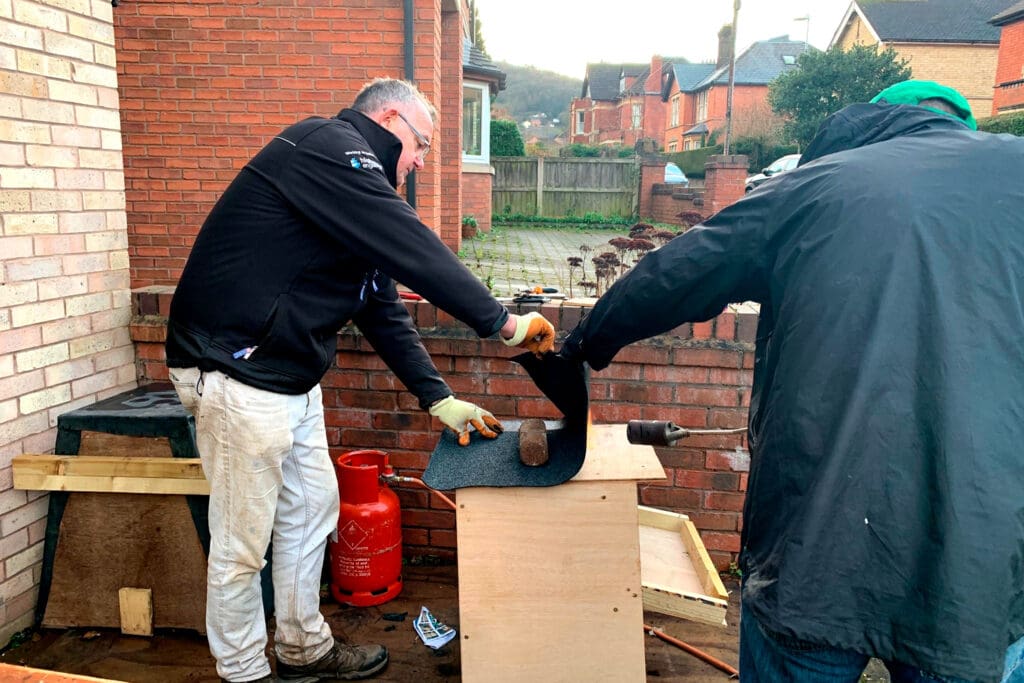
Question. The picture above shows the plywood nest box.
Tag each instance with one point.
(550, 583)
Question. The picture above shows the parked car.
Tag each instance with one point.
(777, 167)
(675, 175)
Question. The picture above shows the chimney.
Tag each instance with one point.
(653, 83)
(724, 46)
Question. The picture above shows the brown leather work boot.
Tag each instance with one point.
(342, 663)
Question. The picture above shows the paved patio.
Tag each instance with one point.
(512, 258)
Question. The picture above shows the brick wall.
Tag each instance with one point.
(64, 285)
(476, 195)
(698, 376)
(1009, 70)
(204, 85)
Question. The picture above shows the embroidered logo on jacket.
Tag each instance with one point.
(367, 160)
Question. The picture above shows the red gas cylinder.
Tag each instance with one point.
(366, 552)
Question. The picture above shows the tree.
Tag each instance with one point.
(828, 81)
(506, 140)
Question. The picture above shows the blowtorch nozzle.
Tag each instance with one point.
(654, 432)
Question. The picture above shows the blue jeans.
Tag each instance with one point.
(773, 658)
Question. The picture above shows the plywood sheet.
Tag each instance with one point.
(611, 457)
(108, 541)
(549, 584)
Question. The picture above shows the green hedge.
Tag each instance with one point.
(1006, 123)
(758, 153)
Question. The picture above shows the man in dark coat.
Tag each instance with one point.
(309, 235)
(885, 509)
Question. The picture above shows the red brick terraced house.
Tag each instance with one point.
(1009, 92)
(695, 95)
(949, 41)
(596, 114)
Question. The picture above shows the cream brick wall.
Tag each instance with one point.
(64, 280)
(971, 69)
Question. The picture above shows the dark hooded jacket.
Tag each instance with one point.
(885, 506)
(310, 235)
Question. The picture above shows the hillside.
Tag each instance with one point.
(530, 91)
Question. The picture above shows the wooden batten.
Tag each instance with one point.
(109, 474)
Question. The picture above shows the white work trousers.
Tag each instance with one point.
(265, 456)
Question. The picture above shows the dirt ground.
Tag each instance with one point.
(182, 657)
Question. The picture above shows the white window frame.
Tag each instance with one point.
(581, 122)
(702, 105)
(636, 115)
(485, 125)
(675, 112)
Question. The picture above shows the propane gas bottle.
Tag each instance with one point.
(366, 551)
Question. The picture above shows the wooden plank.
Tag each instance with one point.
(549, 584)
(136, 611)
(674, 576)
(109, 474)
(10, 673)
(610, 456)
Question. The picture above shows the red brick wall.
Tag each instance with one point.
(724, 181)
(450, 137)
(1010, 69)
(203, 85)
(476, 198)
(743, 97)
(698, 376)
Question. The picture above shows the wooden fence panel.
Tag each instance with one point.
(565, 187)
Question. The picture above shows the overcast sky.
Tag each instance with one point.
(565, 35)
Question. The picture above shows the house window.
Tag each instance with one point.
(636, 115)
(675, 112)
(702, 105)
(673, 146)
(476, 123)
(581, 118)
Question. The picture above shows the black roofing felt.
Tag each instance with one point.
(934, 21)
(1009, 15)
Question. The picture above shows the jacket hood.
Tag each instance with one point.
(864, 124)
(384, 144)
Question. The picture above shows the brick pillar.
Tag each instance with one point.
(652, 170)
(724, 178)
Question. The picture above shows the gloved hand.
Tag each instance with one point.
(533, 333)
(459, 415)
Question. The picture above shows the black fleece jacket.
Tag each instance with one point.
(310, 235)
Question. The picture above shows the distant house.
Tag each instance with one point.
(481, 81)
(696, 94)
(949, 41)
(1009, 92)
(595, 114)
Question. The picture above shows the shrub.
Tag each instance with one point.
(1012, 123)
(506, 140)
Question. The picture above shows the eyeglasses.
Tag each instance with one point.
(424, 143)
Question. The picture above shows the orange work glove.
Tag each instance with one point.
(533, 333)
(459, 415)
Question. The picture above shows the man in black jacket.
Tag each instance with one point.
(885, 509)
(309, 235)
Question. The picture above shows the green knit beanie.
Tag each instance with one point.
(912, 92)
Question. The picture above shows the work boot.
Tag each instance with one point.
(342, 663)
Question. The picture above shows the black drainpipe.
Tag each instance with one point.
(410, 74)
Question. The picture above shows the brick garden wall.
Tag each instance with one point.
(65, 302)
(698, 376)
(203, 86)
